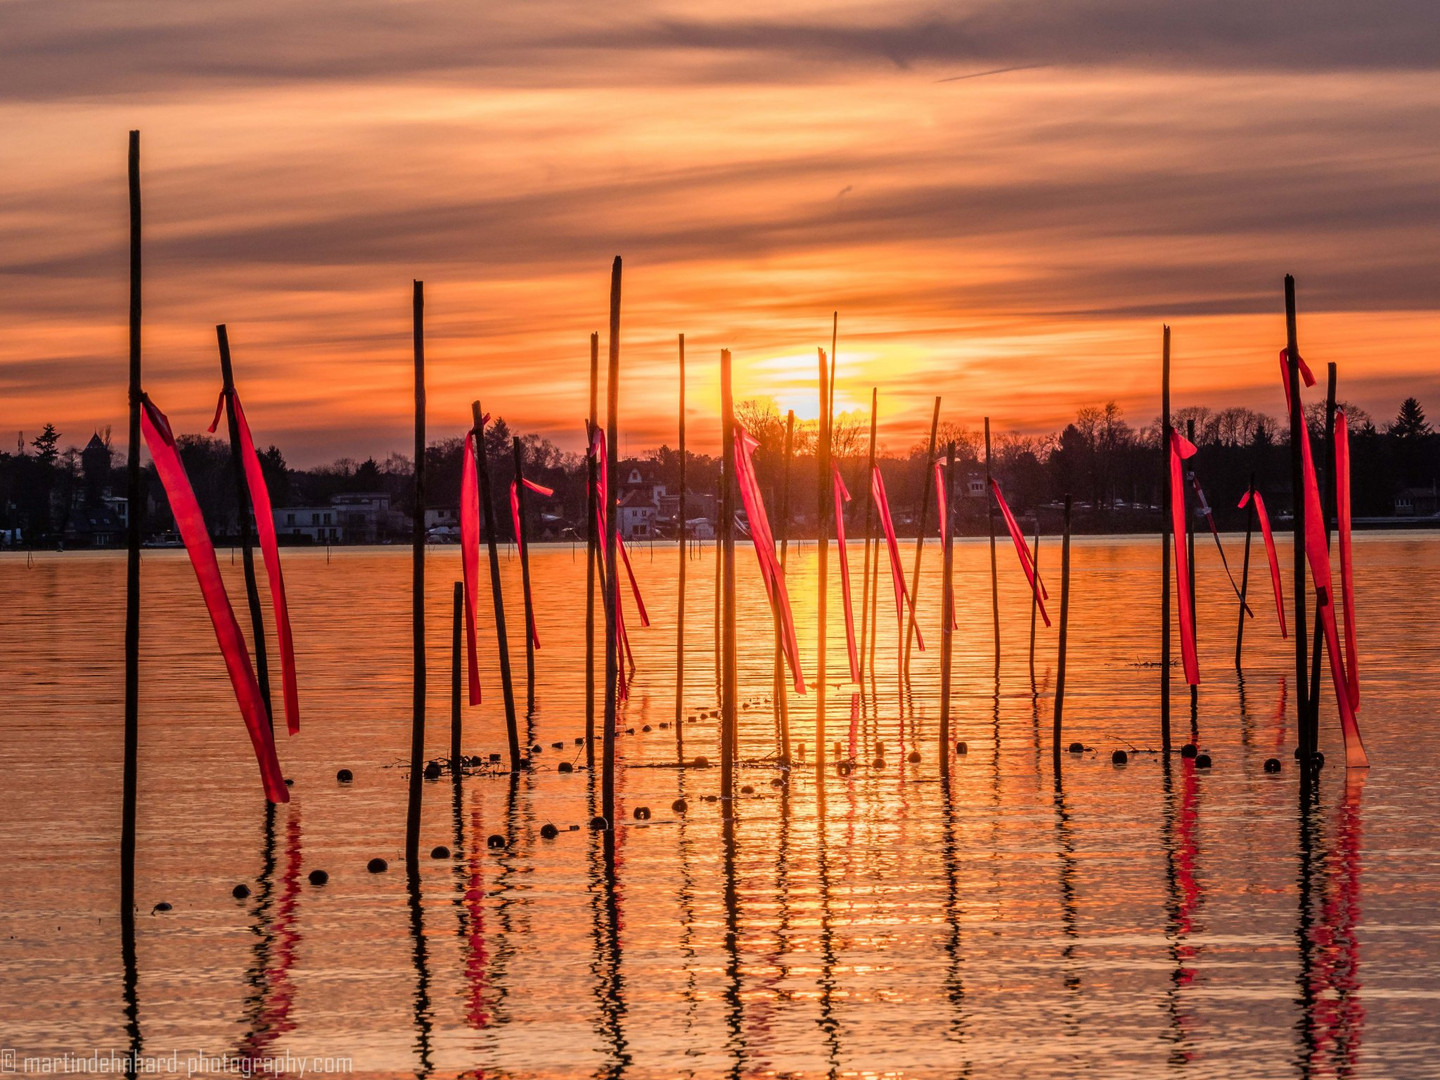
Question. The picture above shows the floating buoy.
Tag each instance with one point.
(679, 806)
(961, 748)
(318, 877)
(700, 763)
(344, 776)
(1188, 750)
(914, 757)
(565, 766)
(879, 763)
(289, 782)
(580, 740)
(642, 813)
(163, 905)
(548, 831)
(1202, 761)
(779, 781)
(599, 824)
(440, 851)
(629, 731)
(1272, 765)
(1077, 748)
(377, 865)
(432, 770)
(241, 891)
(645, 728)
(747, 789)
(663, 725)
(557, 746)
(535, 749)
(495, 840)
(1119, 757)
(494, 757)
(842, 767)
(712, 798)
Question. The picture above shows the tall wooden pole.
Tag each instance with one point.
(1190, 569)
(947, 609)
(1297, 488)
(822, 476)
(592, 553)
(134, 513)
(456, 618)
(1166, 502)
(869, 531)
(912, 625)
(522, 541)
(990, 520)
(1064, 629)
(612, 577)
(417, 592)
(782, 694)
(728, 702)
(719, 561)
(680, 587)
(497, 597)
(1245, 569)
(242, 512)
(1034, 596)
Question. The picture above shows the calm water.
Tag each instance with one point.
(1124, 922)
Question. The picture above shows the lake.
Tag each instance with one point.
(1120, 921)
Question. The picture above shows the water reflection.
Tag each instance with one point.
(424, 1013)
(1183, 900)
(277, 938)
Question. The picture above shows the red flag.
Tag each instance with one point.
(1027, 561)
(1181, 448)
(897, 572)
(190, 523)
(1347, 566)
(842, 496)
(1270, 553)
(763, 540)
(470, 556)
(270, 552)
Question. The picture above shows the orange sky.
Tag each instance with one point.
(1011, 241)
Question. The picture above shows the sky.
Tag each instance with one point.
(1004, 201)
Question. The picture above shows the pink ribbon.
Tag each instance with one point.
(270, 552)
(470, 556)
(538, 489)
(1318, 555)
(1270, 553)
(897, 572)
(842, 496)
(1027, 561)
(944, 506)
(1347, 566)
(190, 524)
(1181, 448)
(763, 541)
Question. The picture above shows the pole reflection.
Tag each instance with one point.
(271, 992)
(1183, 900)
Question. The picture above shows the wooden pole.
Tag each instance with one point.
(592, 553)
(1064, 628)
(869, 531)
(990, 519)
(1297, 488)
(911, 626)
(1034, 597)
(719, 561)
(1190, 570)
(1166, 502)
(456, 619)
(1245, 569)
(612, 531)
(782, 694)
(947, 610)
(497, 598)
(522, 541)
(680, 587)
(822, 476)
(417, 592)
(134, 514)
(242, 512)
(728, 703)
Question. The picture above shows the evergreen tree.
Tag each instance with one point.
(1410, 423)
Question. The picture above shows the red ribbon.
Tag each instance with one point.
(1027, 561)
(902, 594)
(190, 524)
(842, 496)
(470, 556)
(763, 541)
(1270, 553)
(270, 552)
(1181, 448)
(602, 484)
(1318, 555)
(1347, 566)
(538, 489)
